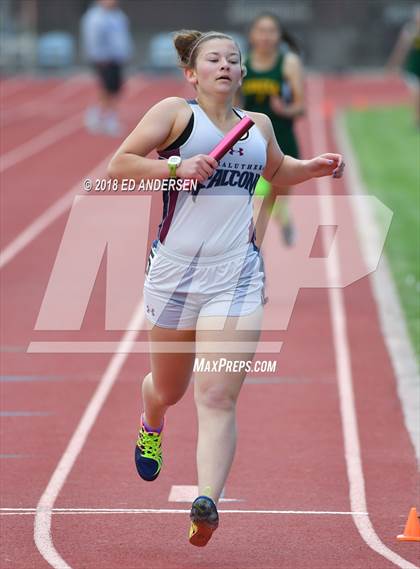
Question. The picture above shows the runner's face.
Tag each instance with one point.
(218, 67)
(265, 35)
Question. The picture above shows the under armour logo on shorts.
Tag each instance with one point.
(150, 310)
(240, 150)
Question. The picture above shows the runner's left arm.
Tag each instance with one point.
(286, 171)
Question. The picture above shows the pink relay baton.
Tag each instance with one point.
(231, 138)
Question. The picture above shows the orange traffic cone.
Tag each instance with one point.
(412, 528)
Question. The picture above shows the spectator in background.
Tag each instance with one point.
(406, 54)
(273, 85)
(107, 46)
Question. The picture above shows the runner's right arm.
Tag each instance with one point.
(130, 162)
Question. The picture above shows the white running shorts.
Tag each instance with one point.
(179, 289)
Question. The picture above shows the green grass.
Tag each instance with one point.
(387, 146)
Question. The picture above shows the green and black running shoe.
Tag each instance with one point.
(148, 453)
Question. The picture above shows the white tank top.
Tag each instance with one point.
(218, 217)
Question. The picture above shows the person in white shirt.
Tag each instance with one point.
(107, 46)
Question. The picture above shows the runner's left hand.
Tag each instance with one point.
(326, 165)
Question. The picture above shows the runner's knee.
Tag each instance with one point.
(217, 397)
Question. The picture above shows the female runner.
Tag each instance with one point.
(274, 86)
(204, 282)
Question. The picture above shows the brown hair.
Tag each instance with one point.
(186, 43)
(286, 36)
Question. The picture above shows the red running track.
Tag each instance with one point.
(289, 421)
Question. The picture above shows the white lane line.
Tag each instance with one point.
(42, 528)
(342, 350)
(50, 136)
(57, 94)
(104, 511)
(58, 208)
(41, 141)
(392, 319)
(42, 525)
(51, 214)
(54, 105)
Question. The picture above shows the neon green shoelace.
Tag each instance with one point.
(150, 444)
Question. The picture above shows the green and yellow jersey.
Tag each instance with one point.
(257, 88)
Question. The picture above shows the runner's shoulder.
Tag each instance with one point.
(263, 122)
(172, 105)
(171, 110)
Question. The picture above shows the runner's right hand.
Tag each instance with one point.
(199, 167)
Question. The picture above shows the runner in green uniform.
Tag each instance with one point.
(406, 55)
(274, 86)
